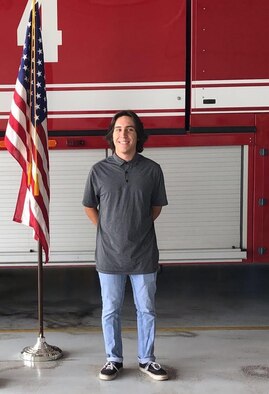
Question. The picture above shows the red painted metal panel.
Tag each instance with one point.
(261, 190)
(230, 39)
(102, 123)
(204, 139)
(155, 141)
(230, 62)
(105, 42)
(222, 120)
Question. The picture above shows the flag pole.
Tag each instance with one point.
(40, 291)
(41, 351)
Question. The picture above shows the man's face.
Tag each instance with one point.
(125, 137)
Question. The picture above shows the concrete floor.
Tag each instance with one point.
(213, 331)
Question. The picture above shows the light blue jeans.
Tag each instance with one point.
(112, 291)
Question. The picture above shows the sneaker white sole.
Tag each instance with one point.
(108, 377)
(155, 377)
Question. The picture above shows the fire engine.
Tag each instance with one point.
(197, 73)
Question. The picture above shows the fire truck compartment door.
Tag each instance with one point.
(204, 221)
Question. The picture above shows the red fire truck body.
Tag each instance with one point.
(197, 73)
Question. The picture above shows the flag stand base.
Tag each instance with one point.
(41, 352)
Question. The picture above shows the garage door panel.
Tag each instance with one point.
(204, 187)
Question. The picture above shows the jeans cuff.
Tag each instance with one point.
(146, 360)
(115, 359)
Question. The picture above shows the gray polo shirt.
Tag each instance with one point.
(124, 193)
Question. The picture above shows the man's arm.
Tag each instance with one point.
(156, 212)
(92, 214)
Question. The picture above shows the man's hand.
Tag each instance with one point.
(156, 212)
(92, 214)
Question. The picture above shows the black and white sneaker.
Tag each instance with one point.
(154, 370)
(110, 370)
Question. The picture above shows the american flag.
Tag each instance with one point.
(27, 137)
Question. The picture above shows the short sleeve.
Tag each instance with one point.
(91, 197)
(159, 197)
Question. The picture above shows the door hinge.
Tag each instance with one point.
(262, 202)
(263, 152)
(262, 251)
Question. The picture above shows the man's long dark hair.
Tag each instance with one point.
(139, 128)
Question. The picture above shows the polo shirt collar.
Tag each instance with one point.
(121, 162)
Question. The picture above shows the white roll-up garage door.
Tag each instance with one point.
(206, 216)
(72, 235)
(204, 221)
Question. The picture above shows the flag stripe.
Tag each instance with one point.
(16, 153)
(20, 98)
(42, 162)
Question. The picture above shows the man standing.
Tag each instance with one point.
(124, 194)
